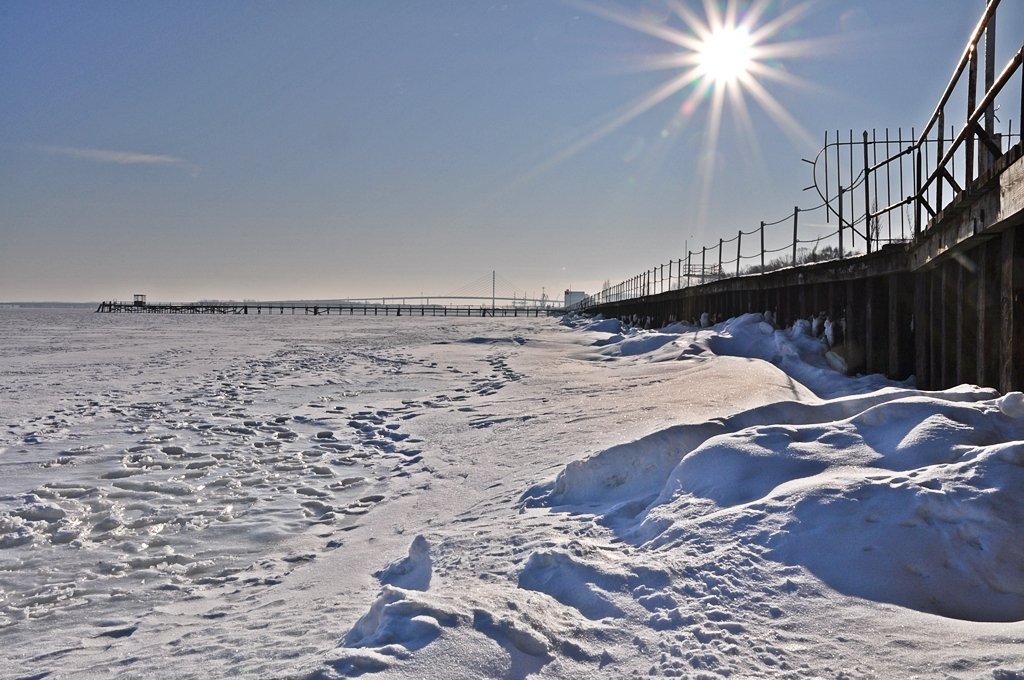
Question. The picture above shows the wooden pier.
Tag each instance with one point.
(947, 308)
(944, 303)
(324, 309)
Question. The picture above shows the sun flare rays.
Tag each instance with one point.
(722, 55)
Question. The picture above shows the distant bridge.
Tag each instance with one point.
(469, 300)
(386, 306)
(937, 291)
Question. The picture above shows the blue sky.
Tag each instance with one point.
(345, 149)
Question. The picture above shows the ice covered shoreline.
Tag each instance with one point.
(595, 501)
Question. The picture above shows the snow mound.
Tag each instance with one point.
(577, 576)
(635, 345)
(401, 622)
(898, 496)
(622, 476)
(573, 583)
(397, 617)
(795, 350)
(604, 326)
(943, 540)
(398, 623)
(412, 572)
(486, 340)
(1012, 405)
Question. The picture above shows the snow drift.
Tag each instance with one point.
(899, 496)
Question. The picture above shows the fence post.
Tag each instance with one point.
(762, 246)
(853, 232)
(720, 243)
(840, 223)
(990, 77)
(828, 197)
(687, 269)
(839, 171)
(739, 241)
(867, 194)
(796, 217)
(918, 180)
(972, 101)
(703, 254)
(939, 180)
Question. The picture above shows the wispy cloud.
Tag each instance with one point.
(121, 157)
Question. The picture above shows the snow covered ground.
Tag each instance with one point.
(319, 497)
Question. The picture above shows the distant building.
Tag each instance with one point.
(573, 297)
(140, 300)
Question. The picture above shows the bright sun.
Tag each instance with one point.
(726, 55)
(722, 59)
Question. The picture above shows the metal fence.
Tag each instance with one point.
(874, 188)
